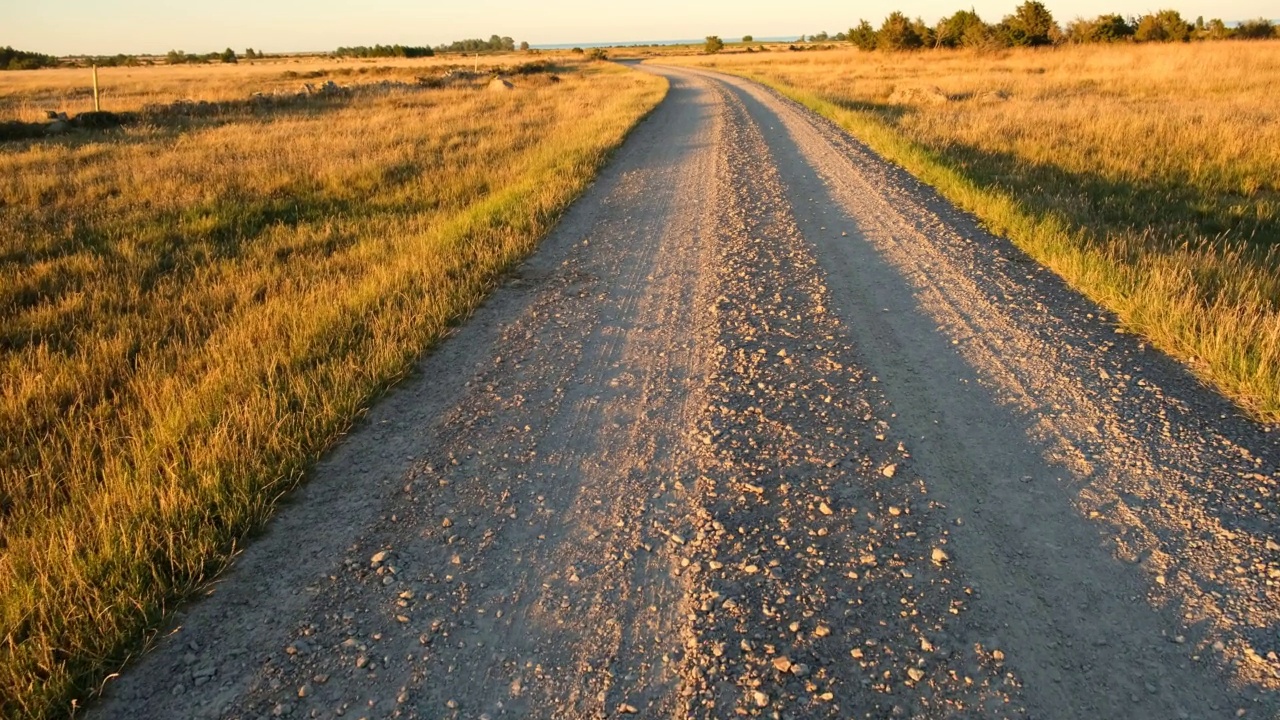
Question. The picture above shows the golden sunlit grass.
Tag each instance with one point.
(190, 314)
(1147, 176)
(27, 95)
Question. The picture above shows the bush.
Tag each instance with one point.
(954, 31)
(897, 33)
(863, 37)
(1260, 29)
(1030, 26)
(1104, 28)
(747, 39)
(1164, 26)
(714, 44)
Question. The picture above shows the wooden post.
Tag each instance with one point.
(97, 105)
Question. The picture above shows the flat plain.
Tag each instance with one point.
(890, 385)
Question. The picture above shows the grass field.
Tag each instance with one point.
(191, 313)
(1148, 176)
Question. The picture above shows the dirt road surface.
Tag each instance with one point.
(765, 428)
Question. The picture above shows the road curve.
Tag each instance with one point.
(764, 428)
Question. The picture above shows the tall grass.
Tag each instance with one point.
(188, 316)
(1147, 176)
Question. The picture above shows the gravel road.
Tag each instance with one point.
(765, 428)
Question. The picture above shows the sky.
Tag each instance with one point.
(107, 27)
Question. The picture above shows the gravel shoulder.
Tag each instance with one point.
(765, 428)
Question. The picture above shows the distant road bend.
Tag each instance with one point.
(764, 428)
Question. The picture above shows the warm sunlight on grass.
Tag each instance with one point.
(189, 314)
(1148, 176)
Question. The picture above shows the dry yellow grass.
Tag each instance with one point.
(190, 314)
(26, 95)
(1148, 176)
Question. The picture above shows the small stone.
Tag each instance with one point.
(379, 557)
(889, 470)
(625, 709)
(761, 699)
(940, 556)
(997, 655)
(800, 670)
(362, 661)
(782, 664)
(925, 645)
(447, 522)
(916, 674)
(822, 631)
(824, 508)
(304, 691)
(452, 704)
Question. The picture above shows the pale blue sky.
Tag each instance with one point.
(155, 26)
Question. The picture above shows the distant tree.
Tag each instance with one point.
(1031, 25)
(713, 44)
(229, 56)
(897, 33)
(577, 51)
(524, 47)
(863, 36)
(1164, 26)
(820, 37)
(598, 54)
(840, 37)
(747, 39)
(1217, 30)
(1259, 29)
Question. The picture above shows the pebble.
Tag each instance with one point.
(761, 699)
(889, 470)
(625, 709)
(940, 556)
(782, 664)
(824, 508)
(379, 557)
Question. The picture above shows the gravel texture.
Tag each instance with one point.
(765, 428)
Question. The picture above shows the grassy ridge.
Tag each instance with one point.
(1147, 177)
(187, 318)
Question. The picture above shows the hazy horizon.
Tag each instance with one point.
(152, 27)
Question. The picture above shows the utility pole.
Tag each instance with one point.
(97, 104)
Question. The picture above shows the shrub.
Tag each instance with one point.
(747, 39)
(864, 36)
(1031, 25)
(897, 33)
(714, 44)
(1164, 26)
(1260, 29)
(952, 31)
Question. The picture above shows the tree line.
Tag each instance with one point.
(1032, 24)
(11, 59)
(384, 51)
(494, 43)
